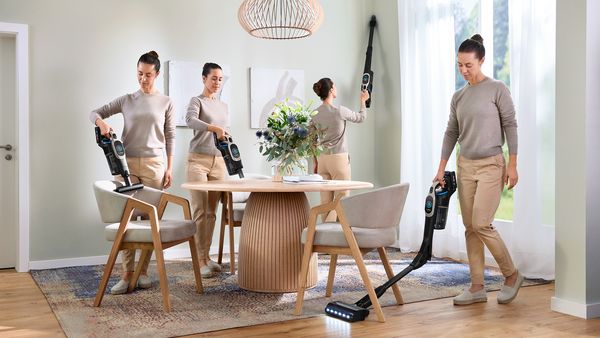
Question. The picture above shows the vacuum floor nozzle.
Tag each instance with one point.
(346, 312)
(126, 188)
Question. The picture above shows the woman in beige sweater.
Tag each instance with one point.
(334, 162)
(148, 132)
(206, 115)
(482, 118)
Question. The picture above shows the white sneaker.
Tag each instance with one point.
(119, 288)
(468, 297)
(507, 293)
(214, 266)
(144, 282)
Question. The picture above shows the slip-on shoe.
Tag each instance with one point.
(207, 272)
(119, 288)
(214, 266)
(468, 297)
(144, 282)
(507, 293)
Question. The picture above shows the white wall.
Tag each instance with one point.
(570, 148)
(386, 93)
(593, 155)
(84, 53)
(577, 158)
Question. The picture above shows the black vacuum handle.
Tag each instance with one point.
(367, 69)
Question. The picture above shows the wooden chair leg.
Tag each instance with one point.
(303, 273)
(112, 257)
(357, 254)
(231, 249)
(196, 265)
(368, 285)
(162, 274)
(145, 256)
(332, 266)
(222, 234)
(229, 201)
(390, 273)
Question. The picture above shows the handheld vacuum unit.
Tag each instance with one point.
(114, 150)
(231, 155)
(436, 212)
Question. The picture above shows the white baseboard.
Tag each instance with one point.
(67, 262)
(172, 253)
(585, 311)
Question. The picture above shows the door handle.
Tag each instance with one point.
(7, 147)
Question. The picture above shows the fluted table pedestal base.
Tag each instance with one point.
(270, 251)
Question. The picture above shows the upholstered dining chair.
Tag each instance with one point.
(152, 235)
(232, 212)
(367, 221)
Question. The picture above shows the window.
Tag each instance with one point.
(490, 19)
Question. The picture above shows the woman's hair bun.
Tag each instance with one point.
(477, 38)
(317, 87)
(323, 87)
(150, 58)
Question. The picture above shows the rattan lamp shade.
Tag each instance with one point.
(280, 19)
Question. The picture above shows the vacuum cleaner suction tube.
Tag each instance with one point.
(436, 211)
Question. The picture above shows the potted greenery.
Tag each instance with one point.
(290, 138)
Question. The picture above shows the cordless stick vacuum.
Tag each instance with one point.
(231, 155)
(115, 155)
(436, 212)
(367, 78)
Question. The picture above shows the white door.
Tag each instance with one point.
(8, 169)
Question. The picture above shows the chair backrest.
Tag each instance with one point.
(111, 203)
(242, 197)
(379, 208)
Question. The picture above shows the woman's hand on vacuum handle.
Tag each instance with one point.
(217, 130)
(364, 96)
(439, 176)
(105, 128)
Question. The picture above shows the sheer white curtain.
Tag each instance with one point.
(427, 58)
(427, 64)
(530, 237)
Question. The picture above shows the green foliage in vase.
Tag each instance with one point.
(290, 136)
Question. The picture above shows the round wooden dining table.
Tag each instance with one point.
(270, 251)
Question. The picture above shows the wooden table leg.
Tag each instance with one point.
(270, 246)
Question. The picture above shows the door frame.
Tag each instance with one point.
(21, 34)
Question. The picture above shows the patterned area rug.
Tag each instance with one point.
(71, 292)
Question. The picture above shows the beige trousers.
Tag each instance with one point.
(480, 184)
(201, 167)
(149, 171)
(333, 167)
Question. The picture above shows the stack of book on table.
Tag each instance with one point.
(304, 179)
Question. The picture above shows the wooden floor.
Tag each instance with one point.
(24, 312)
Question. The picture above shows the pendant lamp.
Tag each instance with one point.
(280, 19)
